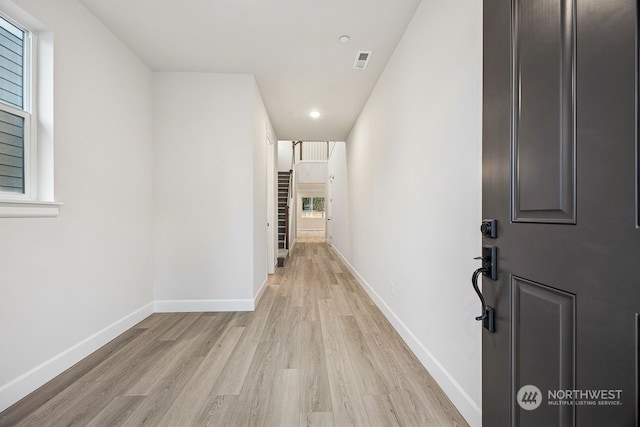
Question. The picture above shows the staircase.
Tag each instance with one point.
(284, 179)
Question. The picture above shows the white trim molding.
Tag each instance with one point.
(258, 295)
(469, 409)
(26, 383)
(21, 386)
(29, 209)
(203, 305)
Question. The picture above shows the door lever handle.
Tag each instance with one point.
(488, 313)
(489, 269)
(474, 282)
(489, 261)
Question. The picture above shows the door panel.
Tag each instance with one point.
(560, 177)
(544, 340)
(544, 113)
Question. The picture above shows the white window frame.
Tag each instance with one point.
(28, 114)
(30, 203)
(309, 214)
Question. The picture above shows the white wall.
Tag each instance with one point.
(209, 191)
(337, 199)
(261, 256)
(70, 284)
(285, 151)
(414, 186)
(311, 172)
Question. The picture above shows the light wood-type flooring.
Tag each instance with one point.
(316, 352)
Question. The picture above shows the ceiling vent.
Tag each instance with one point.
(362, 59)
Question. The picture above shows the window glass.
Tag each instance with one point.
(11, 153)
(13, 117)
(313, 207)
(12, 49)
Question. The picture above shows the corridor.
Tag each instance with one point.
(316, 352)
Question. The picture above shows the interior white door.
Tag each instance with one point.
(271, 205)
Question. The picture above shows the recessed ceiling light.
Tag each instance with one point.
(344, 39)
(314, 114)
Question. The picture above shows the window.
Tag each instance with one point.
(26, 156)
(313, 207)
(15, 114)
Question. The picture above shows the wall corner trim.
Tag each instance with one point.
(21, 386)
(470, 410)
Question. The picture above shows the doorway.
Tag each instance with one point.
(311, 212)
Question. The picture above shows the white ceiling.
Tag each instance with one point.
(291, 46)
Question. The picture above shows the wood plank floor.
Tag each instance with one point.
(316, 352)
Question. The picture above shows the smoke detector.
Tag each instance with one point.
(362, 59)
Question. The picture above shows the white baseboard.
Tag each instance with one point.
(18, 388)
(202, 305)
(469, 409)
(258, 295)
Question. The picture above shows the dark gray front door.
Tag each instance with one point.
(560, 159)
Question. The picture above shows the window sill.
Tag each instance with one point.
(29, 209)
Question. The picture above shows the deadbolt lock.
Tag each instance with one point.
(489, 228)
